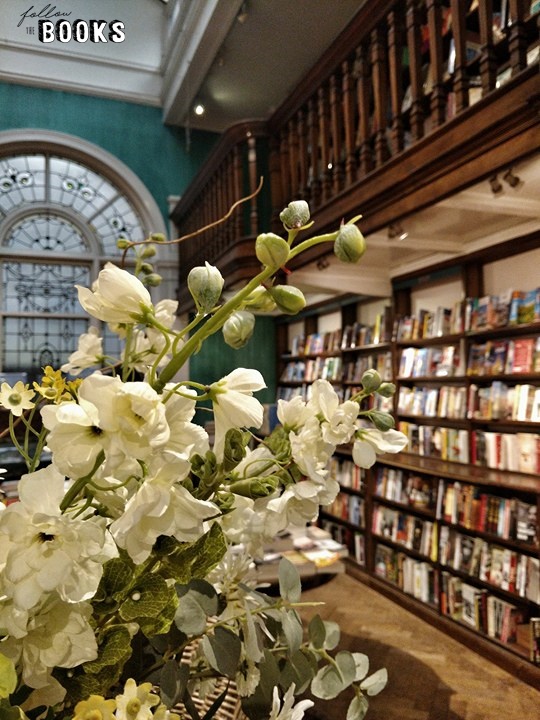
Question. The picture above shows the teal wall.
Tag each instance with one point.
(134, 133)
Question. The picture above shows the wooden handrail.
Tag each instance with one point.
(415, 100)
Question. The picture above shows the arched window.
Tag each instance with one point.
(63, 205)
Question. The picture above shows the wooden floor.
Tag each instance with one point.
(431, 676)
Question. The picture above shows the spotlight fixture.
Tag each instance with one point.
(243, 14)
(199, 109)
(511, 179)
(395, 230)
(495, 185)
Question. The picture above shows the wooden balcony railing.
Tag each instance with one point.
(415, 100)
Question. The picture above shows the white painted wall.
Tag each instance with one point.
(519, 272)
(443, 294)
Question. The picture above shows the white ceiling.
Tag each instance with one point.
(242, 59)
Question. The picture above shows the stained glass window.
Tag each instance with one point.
(60, 220)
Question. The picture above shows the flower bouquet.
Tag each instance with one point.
(126, 567)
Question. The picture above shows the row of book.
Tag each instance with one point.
(500, 401)
(405, 487)
(518, 452)
(443, 361)
(504, 357)
(316, 343)
(354, 541)
(359, 334)
(510, 518)
(415, 577)
(497, 618)
(288, 393)
(327, 368)
(429, 324)
(445, 443)
(502, 567)
(512, 307)
(347, 507)
(381, 362)
(448, 401)
(412, 532)
(346, 473)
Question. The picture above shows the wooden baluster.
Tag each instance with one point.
(363, 86)
(253, 182)
(231, 198)
(303, 163)
(284, 154)
(460, 85)
(313, 148)
(324, 143)
(438, 95)
(379, 72)
(517, 35)
(336, 135)
(348, 121)
(293, 157)
(488, 61)
(415, 70)
(395, 69)
(237, 190)
(276, 190)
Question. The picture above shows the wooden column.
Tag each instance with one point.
(363, 85)
(314, 154)
(438, 95)
(517, 36)
(488, 62)
(395, 69)
(336, 136)
(379, 71)
(348, 121)
(324, 143)
(415, 70)
(460, 85)
(253, 182)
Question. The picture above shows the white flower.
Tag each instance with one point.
(117, 296)
(17, 398)
(234, 405)
(288, 711)
(88, 353)
(185, 437)
(293, 414)
(136, 702)
(310, 452)
(373, 442)
(160, 507)
(59, 635)
(46, 551)
(338, 424)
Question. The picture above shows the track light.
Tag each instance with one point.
(495, 185)
(243, 14)
(199, 109)
(511, 179)
(396, 231)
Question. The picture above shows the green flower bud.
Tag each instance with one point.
(148, 251)
(238, 329)
(387, 389)
(122, 243)
(234, 449)
(147, 268)
(295, 215)
(371, 381)
(255, 487)
(289, 300)
(271, 250)
(153, 280)
(205, 285)
(350, 244)
(260, 300)
(158, 237)
(383, 421)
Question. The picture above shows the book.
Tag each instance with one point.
(534, 627)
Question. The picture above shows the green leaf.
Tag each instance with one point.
(297, 669)
(289, 581)
(173, 682)
(195, 560)
(115, 648)
(376, 682)
(327, 683)
(317, 632)
(362, 666)
(197, 601)
(115, 581)
(292, 629)
(8, 712)
(8, 676)
(148, 597)
(222, 650)
(347, 666)
(358, 708)
(333, 635)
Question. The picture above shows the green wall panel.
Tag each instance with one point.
(134, 133)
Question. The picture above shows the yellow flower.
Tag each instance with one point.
(95, 708)
(17, 398)
(54, 387)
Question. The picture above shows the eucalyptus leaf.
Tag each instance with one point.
(293, 630)
(333, 635)
(205, 592)
(173, 682)
(347, 666)
(190, 617)
(222, 650)
(358, 708)
(289, 581)
(375, 683)
(296, 669)
(317, 632)
(362, 666)
(327, 683)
